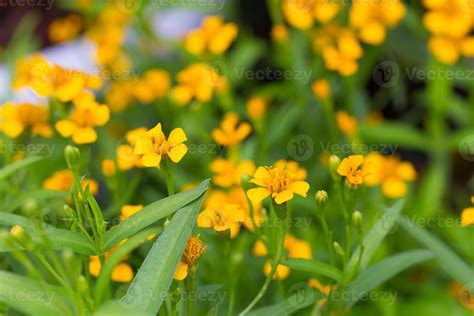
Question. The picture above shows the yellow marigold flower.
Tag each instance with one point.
(129, 210)
(354, 169)
(126, 158)
(65, 28)
(467, 215)
(302, 13)
(282, 271)
(122, 272)
(279, 33)
(346, 123)
(372, 18)
(229, 173)
(85, 115)
(321, 89)
(119, 95)
(231, 132)
(108, 167)
(390, 173)
(153, 146)
(15, 119)
(214, 36)
(198, 81)
(154, 85)
(280, 184)
(293, 167)
(62, 181)
(256, 107)
(324, 289)
(339, 47)
(222, 217)
(193, 250)
(237, 196)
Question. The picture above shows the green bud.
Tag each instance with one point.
(73, 157)
(338, 249)
(357, 219)
(321, 197)
(69, 211)
(19, 234)
(166, 223)
(245, 182)
(82, 284)
(30, 206)
(334, 162)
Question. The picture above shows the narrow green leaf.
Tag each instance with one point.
(114, 308)
(8, 170)
(35, 195)
(381, 272)
(151, 214)
(59, 238)
(33, 297)
(313, 266)
(150, 286)
(394, 133)
(303, 296)
(377, 234)
(447, 259)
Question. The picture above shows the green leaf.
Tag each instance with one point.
(8, 170)
(59, 238)
(114, 308)
(303, 296)
(150, 286)
(33, 297)
(381, 272)
(35, 195)
(447, 259)
(151, 214)
(394, 133)
(313, 266)
(376, 235)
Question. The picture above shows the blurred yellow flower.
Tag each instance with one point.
(321, 89)
(280, 184)
(279, 33)
(129, 210)
(324, 289)
(126, 158)
(15, 119)
(346, 123)
(153, 145)
(390, 173)
(85, 115)
(467, 215)
(193, 250)
(119, 95)
(302, 13)
(154, 85)
(214, 36)
(231, 132)
(293, 167)
(354, 169)
(228, 173)
(122, 272)
(65, 28)
(256, 108)
(108, 167)
(62, 181)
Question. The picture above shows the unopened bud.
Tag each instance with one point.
(166, 223)
(73, 157)
(21, 237)
(338, 249)
(321, 197)
(357, 219)
(334, 162)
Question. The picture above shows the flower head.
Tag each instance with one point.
(281, 184)
(321, 89)
(214, 36)
(467, 215)
(63, 180)
(154, 85)
(15, 119)
(65, 28)
(353, 169)
(302, 13)
(346, 123)
(153, 145)
(231, 132)
(85, 115)
(126, 158)
(193, 250)
(228, 173)
(256, 107)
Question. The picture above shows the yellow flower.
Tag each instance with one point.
(154, 85)
(129, 210)
(279, 33)
(324, 289)
(256, 108)
(108, 167)
(193, 250)
(302, 13)
(119, 95)
(221, 216)
(321, 89)
(214, 36)
(62, 181)
(280, 184)
(346, 123)
(229, 173)
(390, 173)
(126, 158)
(372, 18)
(237, 196)
(231, 132)
(65, 28)
(198, 81)
(122, 272)
(153, 145)
(86, 115)
(467, 215)
(339, 47)
(293, 167)
(354, 169)
(15, 119)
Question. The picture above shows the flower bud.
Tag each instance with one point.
(334, 162)
(338, 249)
(82, 284)
(245, 182)
(73, 157)
(357, 219)
(21, 237)
(321, 197)
(166, 223)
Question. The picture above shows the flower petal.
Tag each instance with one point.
(177, 152)
(84, 136)
(151, 160)
(258, 194)
(299, 187)
(283, 196)
(66, 127)
(181, 271)
(177, 136)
